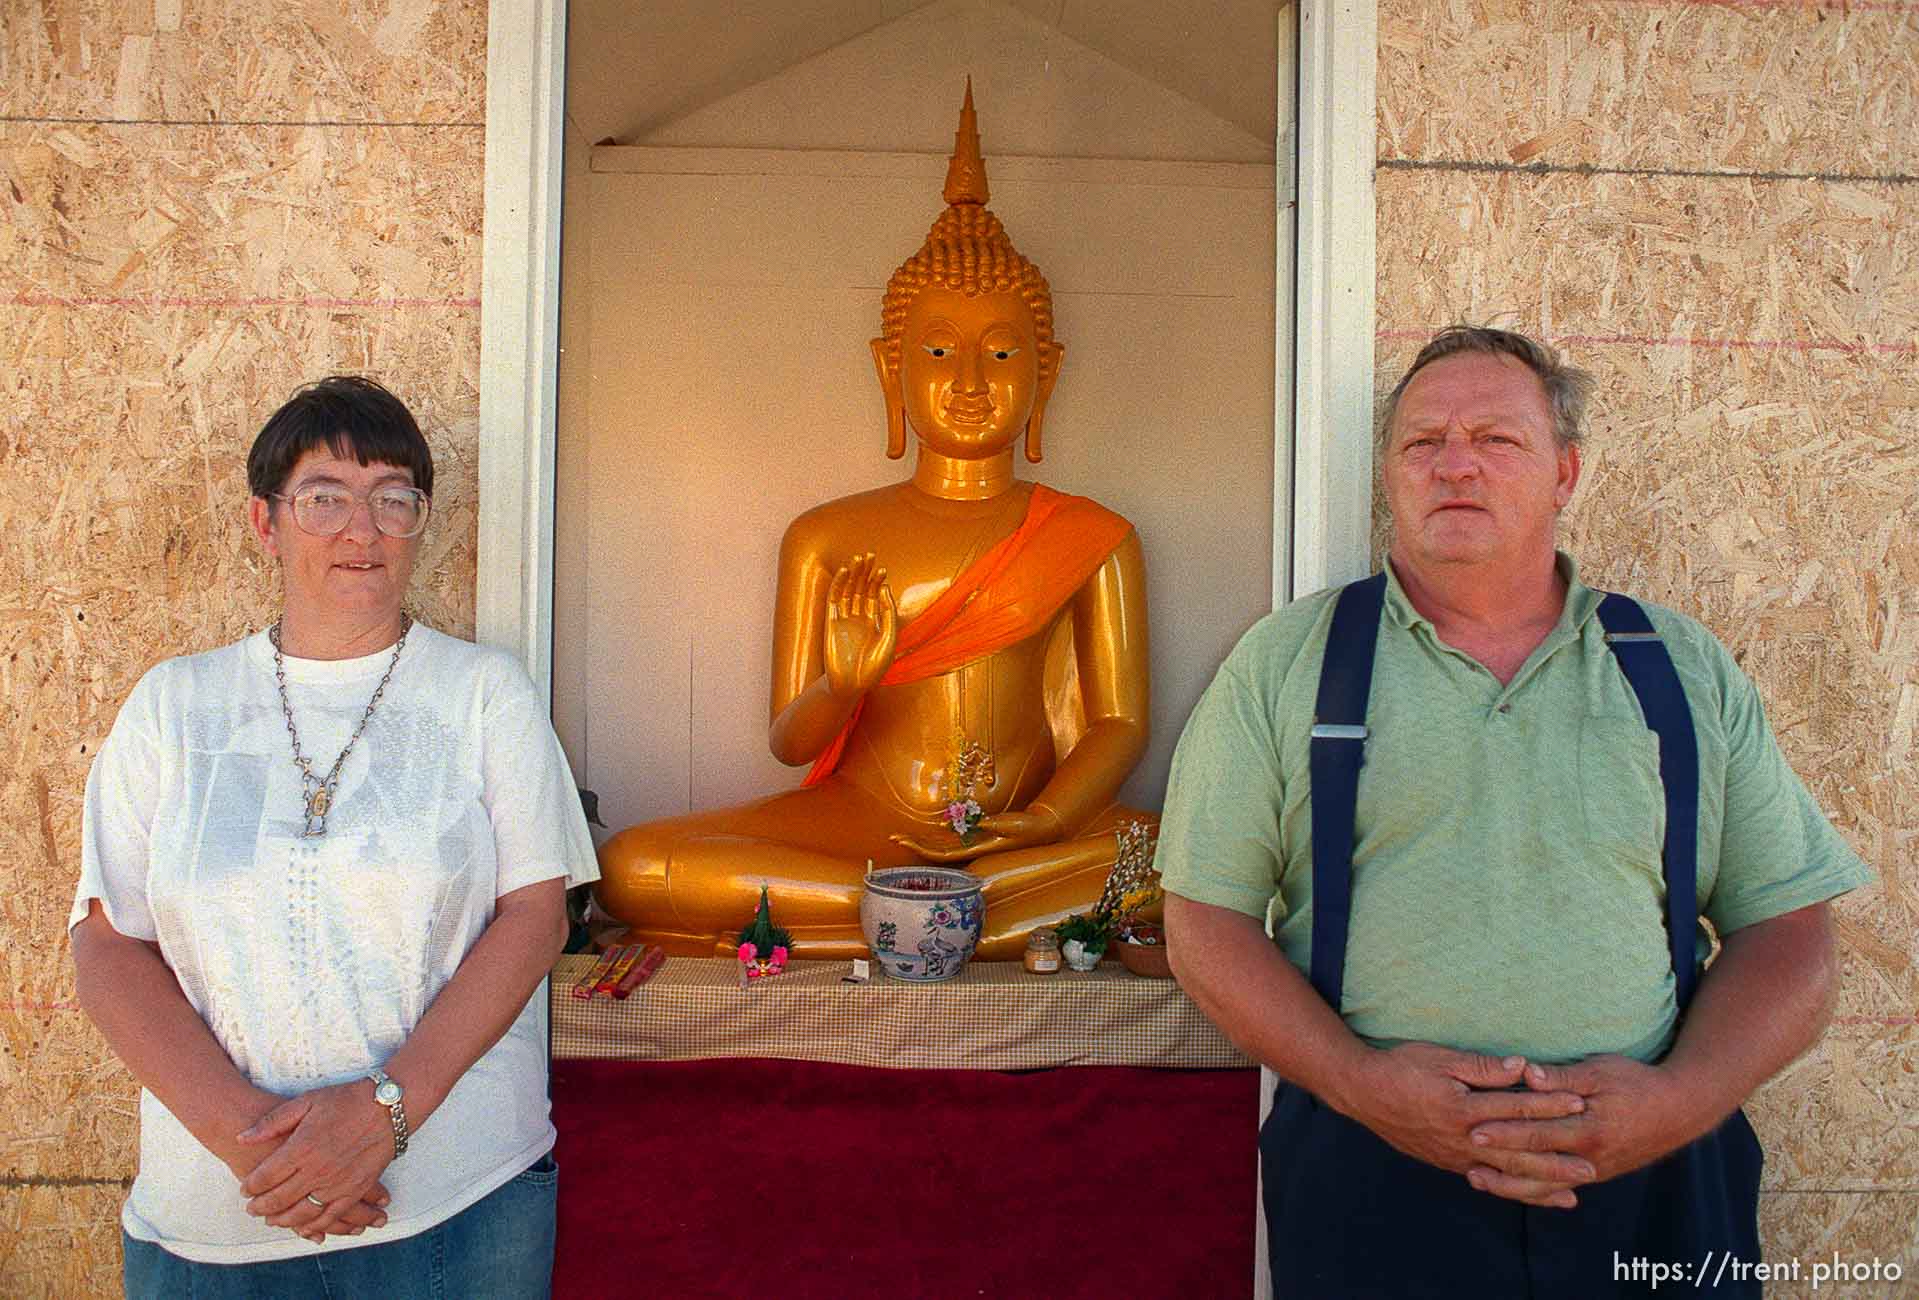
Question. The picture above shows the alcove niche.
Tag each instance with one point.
(740, 181)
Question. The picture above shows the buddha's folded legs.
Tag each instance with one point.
(692, 883)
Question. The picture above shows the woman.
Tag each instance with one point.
(324, 871)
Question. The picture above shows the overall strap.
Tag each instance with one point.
(1337, 749)
(1649, 671)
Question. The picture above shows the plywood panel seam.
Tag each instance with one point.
(1840, 1191)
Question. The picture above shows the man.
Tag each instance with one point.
(1493, 1091)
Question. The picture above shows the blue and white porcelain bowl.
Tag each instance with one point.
(922, 922)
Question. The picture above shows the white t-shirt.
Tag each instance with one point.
(313, 959)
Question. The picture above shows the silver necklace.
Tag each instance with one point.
(317, 791)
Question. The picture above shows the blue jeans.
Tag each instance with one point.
(500, 1246)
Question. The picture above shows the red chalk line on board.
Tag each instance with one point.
(1817, 8)
(1685, 341)
(1498, 167)
(153, 302)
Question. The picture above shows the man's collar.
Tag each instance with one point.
(1398, 607)
(1582, 602)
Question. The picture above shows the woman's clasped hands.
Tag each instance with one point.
(323, 1177)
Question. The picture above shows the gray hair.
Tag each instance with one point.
(1567, 387)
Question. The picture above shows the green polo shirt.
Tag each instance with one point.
(1507, 888)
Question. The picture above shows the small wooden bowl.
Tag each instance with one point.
(1148, 959)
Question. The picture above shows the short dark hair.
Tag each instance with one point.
(351, 416)
(1567, 387)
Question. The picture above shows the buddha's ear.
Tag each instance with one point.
(1050, 357)
(889, 372)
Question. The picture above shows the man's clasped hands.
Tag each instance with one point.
(1520, 1129)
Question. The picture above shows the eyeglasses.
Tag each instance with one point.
(325, 510)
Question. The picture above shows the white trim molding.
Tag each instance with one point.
(1334, 303)
(1331, 452)
(1285, 321)
(520, 329)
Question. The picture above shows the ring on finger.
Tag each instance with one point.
(316, 1200)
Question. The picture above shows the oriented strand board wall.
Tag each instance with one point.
(201, 206)
(165, 284)
(1714, 207)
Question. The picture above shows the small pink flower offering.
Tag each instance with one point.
(761, 935)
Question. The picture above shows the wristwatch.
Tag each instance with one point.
(389, 1094)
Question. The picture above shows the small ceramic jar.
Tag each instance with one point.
(1042, 952)
(1079, 957)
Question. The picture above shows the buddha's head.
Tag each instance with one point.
(966, 353)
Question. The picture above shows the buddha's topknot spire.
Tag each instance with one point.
(966, 173)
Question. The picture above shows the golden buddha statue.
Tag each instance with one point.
(961, 657)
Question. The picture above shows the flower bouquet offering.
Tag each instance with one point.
(763, 945)
(971, 768)
(1131, 887)
(964, 815)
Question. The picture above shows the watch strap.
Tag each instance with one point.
(395, 1109)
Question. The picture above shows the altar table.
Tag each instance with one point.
(993, 1016)
(721, 1141)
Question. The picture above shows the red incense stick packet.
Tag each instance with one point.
(623, 959)
(641, 973)
(587, 982)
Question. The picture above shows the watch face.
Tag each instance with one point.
(387, 1093)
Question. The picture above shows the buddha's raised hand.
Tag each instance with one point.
(862, 626)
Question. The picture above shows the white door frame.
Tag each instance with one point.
(1332, 392)
(1322, 422)
(520, 329)
(1331, 464)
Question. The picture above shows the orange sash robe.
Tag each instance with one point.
(1002, 598)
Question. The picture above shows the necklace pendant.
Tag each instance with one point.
(319, 798)
(317, 804)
